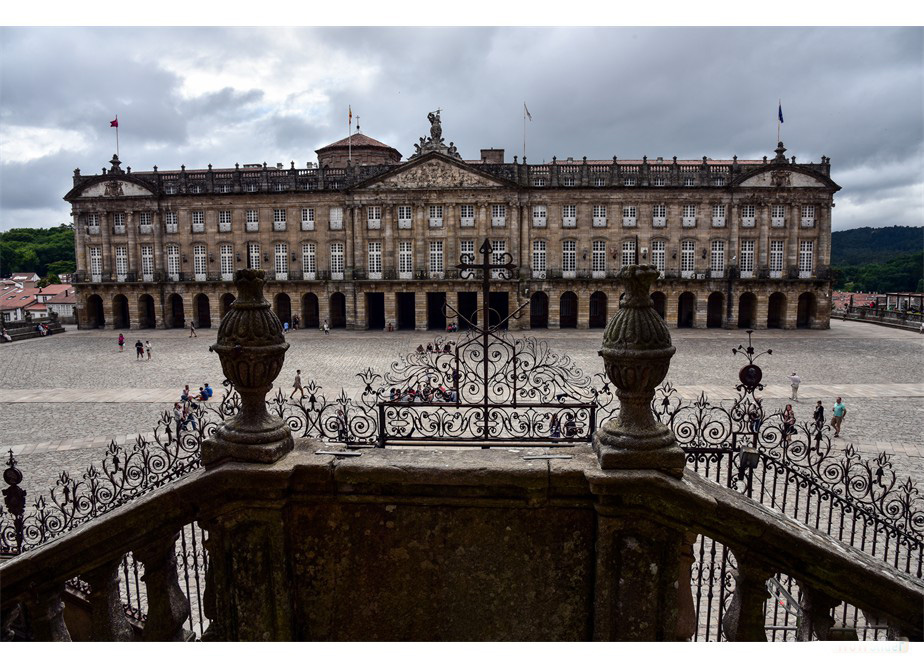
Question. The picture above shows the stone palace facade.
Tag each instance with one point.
(365, 240)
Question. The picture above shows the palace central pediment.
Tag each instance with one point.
(115, 188)
(431, 174)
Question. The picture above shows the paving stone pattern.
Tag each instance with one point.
(62, 398)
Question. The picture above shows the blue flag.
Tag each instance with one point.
(781, 112)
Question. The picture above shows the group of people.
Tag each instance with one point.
(447, 348)
(42, 329)
(184, 410)
(839, 411)
(140, 348)
(426, 394)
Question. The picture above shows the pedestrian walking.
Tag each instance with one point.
(192, 330)
(178, 417)
(147, 348)
(789, 423)
(121, 342)
(139, 350)
(295, 321)
(840, 412)
(555, 427)
(794, 381)
(326, 326)
(819, 416)
(297, 385)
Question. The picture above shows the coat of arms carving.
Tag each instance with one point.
(781, 179)
(114, 189)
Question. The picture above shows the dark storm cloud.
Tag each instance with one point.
(853, 94)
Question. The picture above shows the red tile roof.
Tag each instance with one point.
(359, 141)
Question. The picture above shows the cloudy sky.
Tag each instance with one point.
(196, 96)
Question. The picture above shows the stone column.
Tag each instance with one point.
(744, 619)
(134, 264)
(452, 300)
(107, 617)
(158, 221)
(391, 309)
(762, 253)
(792, 237)
(168, 607)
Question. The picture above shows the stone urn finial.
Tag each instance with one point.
(252, 349)
(636, 352)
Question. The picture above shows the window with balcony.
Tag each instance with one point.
(252, 220)
(538, 183)
(198, 221)
(96, 264)
(498, 215)
(776, 259)
(598, 259)
(498, 256)
(659, 215)
(658, 181)
(307, 220)
(777, 215)
(253, 256)
(200, 262)
(467, 254)
(747, 258)
(279, 220)
(568, 258)
(121, 262)
(540, 215)
(808, 215)
(170, 189)
(223, 188)
(336, 261)
(147, 262)
(569, 215)
(226, 257)
(280, 186)
(436, 259)
(748, 215)
(629, 181)
(224, 221)
(599, 181)
(657, 255)
(170, 222)
(467, 215)
(629, 216)
(717, 264)
(436, 215)
(93, 223)
(689, 215)
(628, 252)
(173, 262)
(567, 181)
(539, 259)
(281, 261)
(118, 223)
(336, 218)
(405, 259)
(309, 261)
(806, 258)
(599, 215)
(375, 260)
(374, 217)
(404, 217)
(688, 182)
(197, 189)
(251, 187)
(718, 215)
(146, 222)
(687, 258)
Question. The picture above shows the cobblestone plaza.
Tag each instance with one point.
(63, 398)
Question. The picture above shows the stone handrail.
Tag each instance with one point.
(434, 545)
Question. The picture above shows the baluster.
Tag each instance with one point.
(46, 611)
(168, 608)
(745, 618)
(107, 616)
(816, 613)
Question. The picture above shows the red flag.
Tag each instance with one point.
(115, 123)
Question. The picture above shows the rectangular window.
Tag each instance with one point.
(200, 266)
(224, 221)
(498, 256)
(659, 215)
(467, 251)
(718, 215)
(599, 211)
(687, 258)
(405, 259)
(226, 254)
(629, 216)
(253, 256)
(251, 220)
(629, 181)
(436, 215)
(308, 220)
(281, 261)
(147, 262)
(121, 261)
(628, 252)
(717, 265)
(146, 222)
(747, 258)
(173, 262)
(569, 257)
(598, 259)
(657, 254)
(309, 260)
(806, 258)
(336, 260)
(170, 221)
(539, 258)
(404, 217)
(198, 221)
(467, 215)
(748, 214)
(689, 215)
(336, 218)
(498, 215)
(776, 259)
(540, 215)
(688, 182)
(569, 215)
(436, 259)
(777, 215)
(374, 217)
(118, 222)
(279, 219)
(375, 259)
(808, 215)
(93, 220)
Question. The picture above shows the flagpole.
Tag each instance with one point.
(350, 135)
(117, 134)
(524, 131)
(779, 106)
